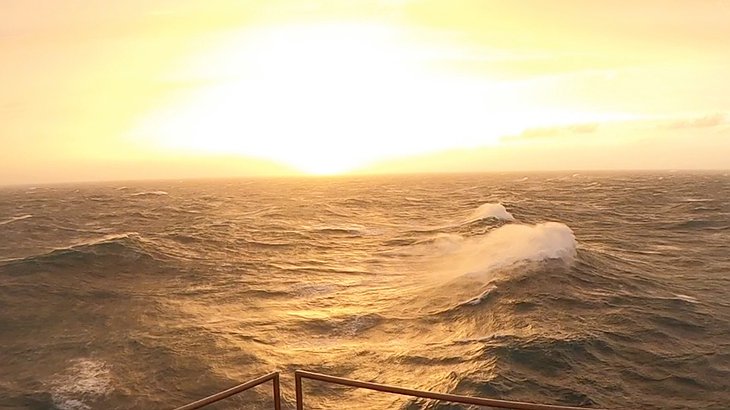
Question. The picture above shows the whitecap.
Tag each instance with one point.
(490, 210)
(686, 298)
(15, 218)
(149, 193)
(84, 381)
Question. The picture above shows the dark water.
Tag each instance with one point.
(604, 291)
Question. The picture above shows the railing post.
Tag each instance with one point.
(238, 389)
(277, 393)
(298, 389)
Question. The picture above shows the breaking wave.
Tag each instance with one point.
(507, 245)
(463, 271)
(485, 211)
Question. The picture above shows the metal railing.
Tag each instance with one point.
(302, 374)
(454, 398)
(274, 377)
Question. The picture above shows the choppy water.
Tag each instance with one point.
(595, 290)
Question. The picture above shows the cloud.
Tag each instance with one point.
(711, 120)
(548, 132)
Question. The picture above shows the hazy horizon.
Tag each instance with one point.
(355, 175)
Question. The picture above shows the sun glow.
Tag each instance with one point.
(326, 99)
(330, 98)
(161, 89)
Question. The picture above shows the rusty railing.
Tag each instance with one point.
(454, 398)
(301, 374)
(274, 377)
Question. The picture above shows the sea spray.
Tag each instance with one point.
(504, 246)
(457, 271)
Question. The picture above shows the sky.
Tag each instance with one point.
(149, 89)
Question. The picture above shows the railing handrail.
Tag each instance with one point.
(274, 377)
(303, 374)
(454, 398)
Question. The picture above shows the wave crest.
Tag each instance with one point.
(460, 272)
(490, 210)
(510, 244)
(125, 247)
(149, 193)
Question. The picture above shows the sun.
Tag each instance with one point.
(325, 98)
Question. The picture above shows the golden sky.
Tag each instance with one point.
(95, 90)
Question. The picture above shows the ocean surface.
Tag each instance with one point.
(596, 290)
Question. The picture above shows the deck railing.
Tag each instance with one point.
(299, 375)
(274, 377)
(454, 398)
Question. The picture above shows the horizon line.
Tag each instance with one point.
(365, 175)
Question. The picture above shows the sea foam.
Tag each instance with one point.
(84, 381)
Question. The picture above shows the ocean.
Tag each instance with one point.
(603, 290)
